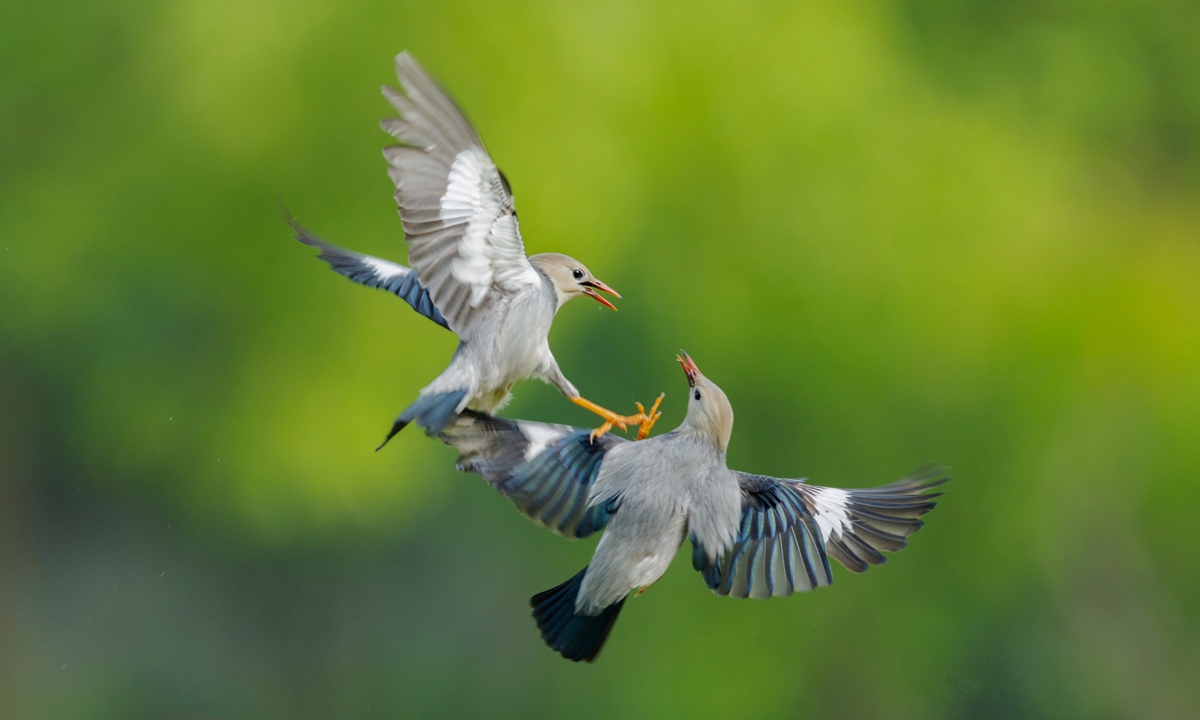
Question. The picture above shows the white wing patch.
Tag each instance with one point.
(540, 437)
(490, 251)
(829, 510)
(384, 269)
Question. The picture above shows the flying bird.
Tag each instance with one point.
(752, 535)
(469, 270)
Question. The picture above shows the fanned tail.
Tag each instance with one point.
(577, 636)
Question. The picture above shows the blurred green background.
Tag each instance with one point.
(966, 232)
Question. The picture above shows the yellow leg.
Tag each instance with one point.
(649, 418)
(610, 417)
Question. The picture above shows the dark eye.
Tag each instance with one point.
(696, 395)
(577, 273)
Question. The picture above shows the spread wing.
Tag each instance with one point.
(790, 528)
(456, 206)
(547, 471)
(373, 272)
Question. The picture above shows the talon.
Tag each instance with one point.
(600, 432)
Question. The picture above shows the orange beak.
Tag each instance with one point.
(602, 287)
(689, 368)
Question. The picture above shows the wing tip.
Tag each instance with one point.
(930, 474)
(300, 232)
(404, 60)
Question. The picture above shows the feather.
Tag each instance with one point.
(373, 272)
(786, 523)
(454, 204)
(547, 471)
(578, 636)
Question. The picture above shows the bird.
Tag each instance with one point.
(469, 273)
(752, 535)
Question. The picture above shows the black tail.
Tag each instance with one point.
(577, 637)
(432, 412)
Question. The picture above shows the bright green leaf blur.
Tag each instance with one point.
(919, 230)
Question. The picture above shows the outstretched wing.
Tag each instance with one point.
(790, 528)
(547, 471)
(373, 272)
(456, 206)
(857, 525)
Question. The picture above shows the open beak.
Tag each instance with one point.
(590, 292)
(689, 368)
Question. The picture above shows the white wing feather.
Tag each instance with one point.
(459, 218)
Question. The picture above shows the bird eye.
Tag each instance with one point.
(577, 273)
(696, 395)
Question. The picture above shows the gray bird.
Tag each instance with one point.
(752, 535)
(469, 270)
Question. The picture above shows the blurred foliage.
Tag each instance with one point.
(927, 229)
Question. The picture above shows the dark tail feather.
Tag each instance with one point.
(432, 412)
(397, 426)
(577, 637)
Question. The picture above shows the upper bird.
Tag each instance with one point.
(752, 535)
(469, 270)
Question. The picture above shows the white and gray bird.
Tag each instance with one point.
(469, 270)
(752, 535)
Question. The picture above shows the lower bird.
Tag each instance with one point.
(469, 270)
(752, 535)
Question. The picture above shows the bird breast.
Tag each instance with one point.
(513, 344)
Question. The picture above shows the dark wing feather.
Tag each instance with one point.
(373, 272)
(778, 548)
(858, 526)
(547, 471)
(790, 528)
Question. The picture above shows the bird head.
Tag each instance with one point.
(571, 279)
(709, 413)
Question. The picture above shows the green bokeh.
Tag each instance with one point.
(897, 232)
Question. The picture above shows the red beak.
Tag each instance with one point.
(689, 368)
(600, 286)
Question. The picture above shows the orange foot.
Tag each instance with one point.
(610, 418)
(649, 418)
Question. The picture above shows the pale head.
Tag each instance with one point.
(570, 278)
(709, 413)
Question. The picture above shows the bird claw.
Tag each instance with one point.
(612, 419)
(643, 420)
(600, 432)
